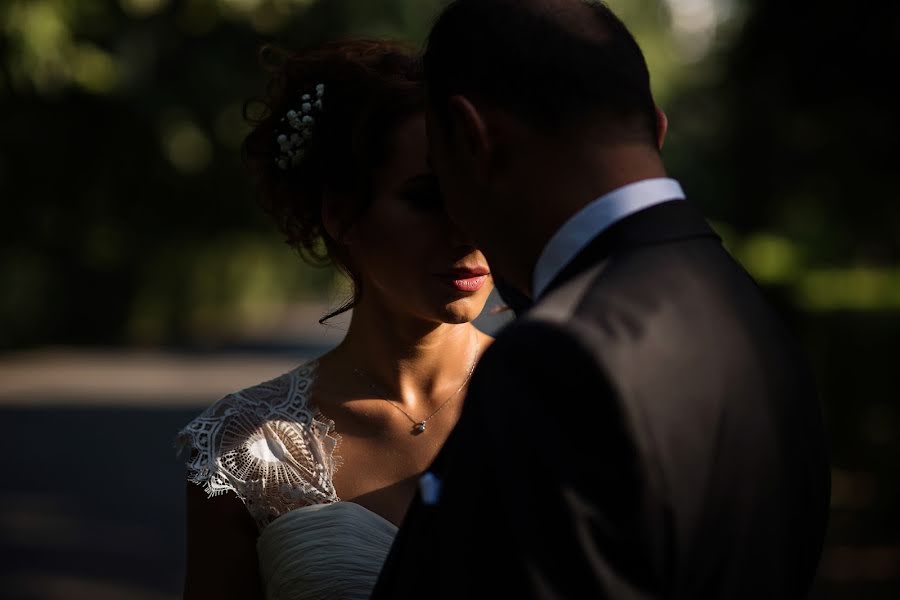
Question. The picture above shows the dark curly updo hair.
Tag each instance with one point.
(370, 88)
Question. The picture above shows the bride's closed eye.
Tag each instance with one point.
(423, 193)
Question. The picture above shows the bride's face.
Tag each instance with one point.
(408, 253)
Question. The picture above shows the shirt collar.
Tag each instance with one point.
(595, 218)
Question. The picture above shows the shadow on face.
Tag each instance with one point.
(406, 250)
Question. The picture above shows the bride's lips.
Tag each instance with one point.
(468, 280)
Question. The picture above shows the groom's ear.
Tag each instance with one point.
(468, 128)
(662, 127)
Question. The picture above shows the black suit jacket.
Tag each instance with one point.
(647, 430)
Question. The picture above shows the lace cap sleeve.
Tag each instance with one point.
(267, 445)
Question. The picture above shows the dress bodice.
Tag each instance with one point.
(276, 452)
(324, 551)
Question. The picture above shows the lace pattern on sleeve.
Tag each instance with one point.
(268, 445)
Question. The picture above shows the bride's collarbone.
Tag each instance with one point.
(390, 453)
(382, 455)
(375, 421)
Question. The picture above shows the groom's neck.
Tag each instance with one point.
(558, 185)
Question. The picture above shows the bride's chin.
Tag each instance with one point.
(459, 312)
(457, 319)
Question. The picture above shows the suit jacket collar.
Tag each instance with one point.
(666, 222)
(593, 219)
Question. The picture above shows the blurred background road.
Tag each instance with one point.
(91, 498)
(139, 281)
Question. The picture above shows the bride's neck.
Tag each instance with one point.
(406, 355)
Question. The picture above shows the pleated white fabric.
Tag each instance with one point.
(324, 551)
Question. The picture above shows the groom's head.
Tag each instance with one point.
(513, 84)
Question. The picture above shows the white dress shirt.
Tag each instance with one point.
(595, 218)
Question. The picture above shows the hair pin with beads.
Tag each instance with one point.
(297, 129)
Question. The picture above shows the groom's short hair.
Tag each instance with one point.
(553, 63)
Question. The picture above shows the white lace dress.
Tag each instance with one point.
(277, 453)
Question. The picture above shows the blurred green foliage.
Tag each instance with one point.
(129, 216)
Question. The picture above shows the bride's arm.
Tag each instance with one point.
(221, 548)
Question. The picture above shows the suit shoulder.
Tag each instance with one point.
(537, 337)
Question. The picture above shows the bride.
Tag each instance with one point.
(340, 157)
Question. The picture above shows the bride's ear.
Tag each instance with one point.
(468, 128)
(336, 218)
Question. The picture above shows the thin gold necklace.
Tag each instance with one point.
(419, 426)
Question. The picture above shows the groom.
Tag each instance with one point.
(648, 429)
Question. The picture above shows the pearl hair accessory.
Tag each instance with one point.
(297, 129)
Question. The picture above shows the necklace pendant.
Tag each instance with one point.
(419, 427)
